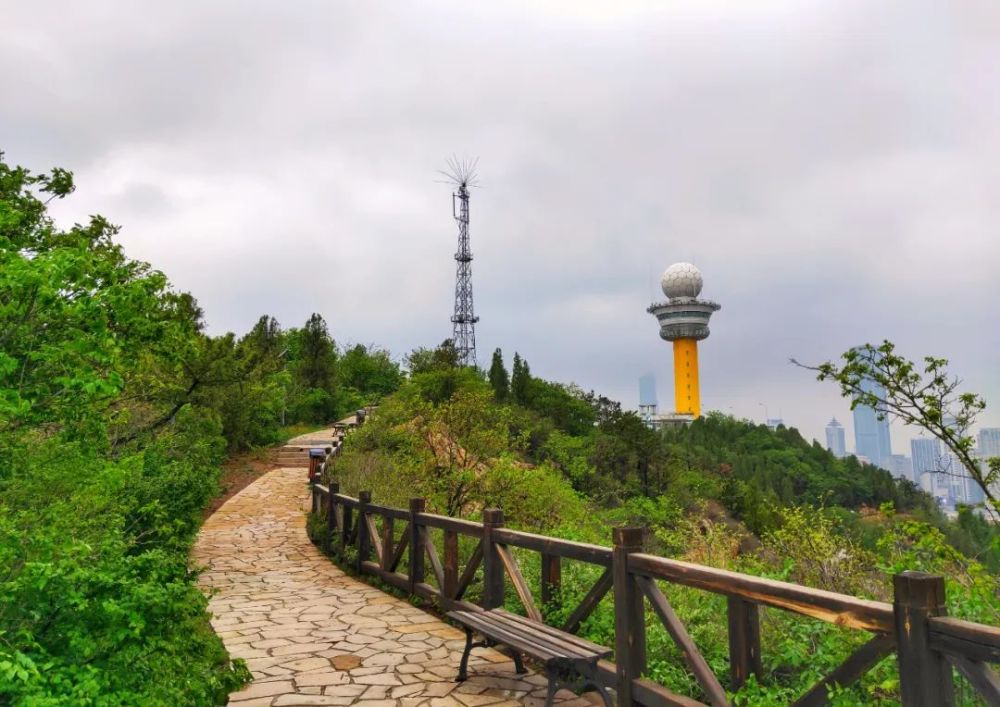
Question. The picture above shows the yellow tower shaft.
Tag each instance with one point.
(686, 396)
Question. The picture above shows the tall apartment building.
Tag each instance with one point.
(835, 440)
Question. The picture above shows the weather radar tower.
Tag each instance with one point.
(683, 320)
(461, 175)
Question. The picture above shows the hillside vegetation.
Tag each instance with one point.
(116, 410)
(721, 492)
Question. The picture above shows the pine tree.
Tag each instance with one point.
(519, 380)
(499, 380)
(317, 355)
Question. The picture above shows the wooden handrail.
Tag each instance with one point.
(840, 609)
(965, 638)
(914, 626)
(457, 525)
(584, 552)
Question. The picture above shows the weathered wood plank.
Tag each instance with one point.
(374, 537)
(645, 691)
(331, 517)
(744, 641)
(692, 656)
(832, 607)
(847, 673)
(345, 528)
(589, 602)
(388, 511)
(388, 540)
(584, 552)
(470, 571)
(457, 525)
(502, 633)
(432, 555)
(417, 534)
(630, 615)
(974, 641)
(531, 638)
(361, 534)
(404, 542)
(551, 578)
(924, 674)
(980, 676)
(517, 579)
(567, 639)
(450, 585)
(493, 584)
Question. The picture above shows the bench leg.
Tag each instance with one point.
(600, 690)
(550, 695)
(463, 668)
(518, 663)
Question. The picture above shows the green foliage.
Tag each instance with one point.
(921, 394)
(720, 492)
(519, 380)
(97, 354)
(498, 377)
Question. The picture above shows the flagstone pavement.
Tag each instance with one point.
(312, 635)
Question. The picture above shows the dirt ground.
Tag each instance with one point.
(238, 472)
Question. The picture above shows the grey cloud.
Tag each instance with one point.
(831, 167)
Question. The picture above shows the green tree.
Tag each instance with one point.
(520, 380)
(368, 370)
(316, 354)
(78, 320)
(422, 360)
(923, 394)
(498, 377)
(106, 462)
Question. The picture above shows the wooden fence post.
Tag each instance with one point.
(551, 578)
(924, 674)
(331, 515)
(493, 584)
(345, 529)
(744, 641)
(630, 614)
(417, 505)
(388, 541)
(363, 541)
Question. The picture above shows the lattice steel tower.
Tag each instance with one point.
(463, 175)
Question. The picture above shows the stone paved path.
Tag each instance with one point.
(311, 635)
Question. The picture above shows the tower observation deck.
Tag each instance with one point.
(683, 320)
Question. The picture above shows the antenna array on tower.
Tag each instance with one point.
(462, 174)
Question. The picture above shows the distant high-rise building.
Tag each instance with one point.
(901, 466)
(647, 397)
(774, 422)
(835, 440)
(871, 435)
(989, 442)
(647, 389)
(928, 462)
(989, 446)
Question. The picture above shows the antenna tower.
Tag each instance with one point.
(462, 175)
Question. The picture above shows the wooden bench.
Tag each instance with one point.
(568, 660)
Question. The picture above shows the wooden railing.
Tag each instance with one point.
(927, 643)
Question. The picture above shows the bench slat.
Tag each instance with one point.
(502, 635)
(580, 644)
(536, 639)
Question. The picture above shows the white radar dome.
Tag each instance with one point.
(681, 280)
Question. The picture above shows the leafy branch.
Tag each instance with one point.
(924, 395)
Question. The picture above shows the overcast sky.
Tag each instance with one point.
(831, 166)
